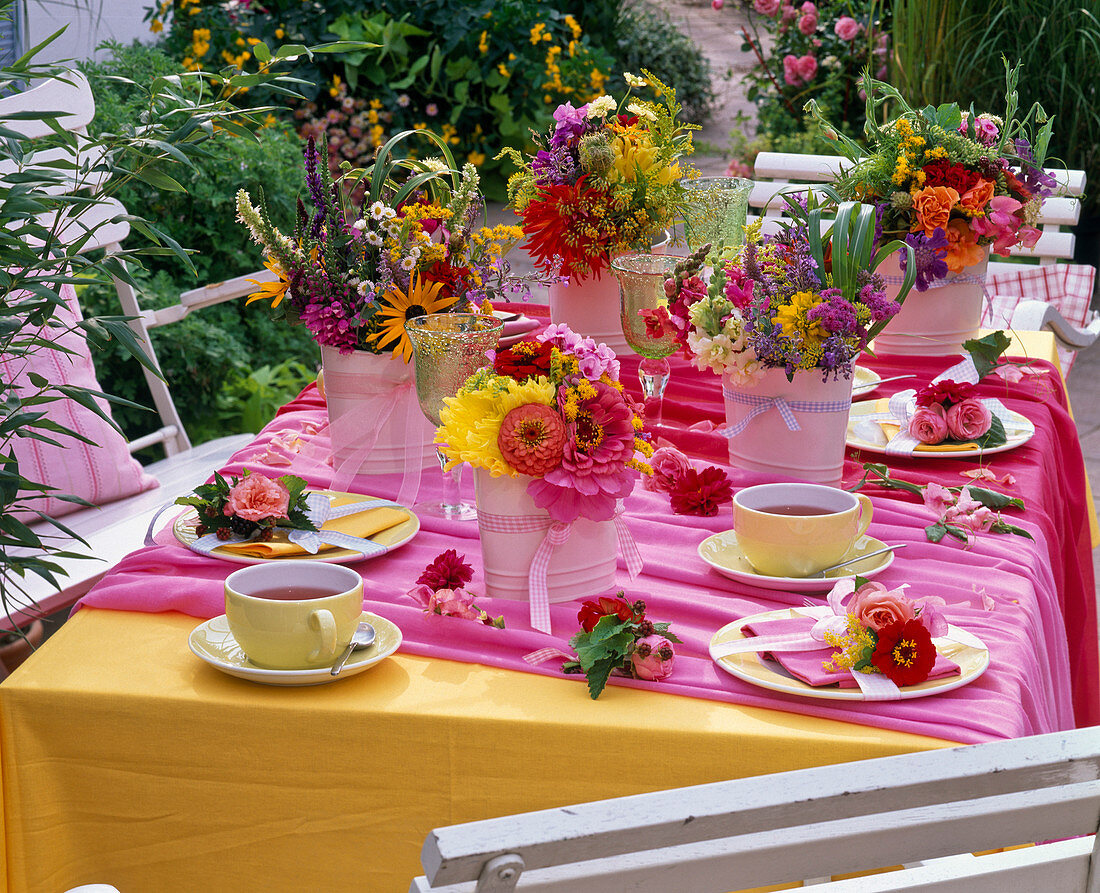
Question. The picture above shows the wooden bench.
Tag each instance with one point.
(926, 812)
(114, 529)
(775, 172)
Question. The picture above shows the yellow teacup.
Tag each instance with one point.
(794, 530)
(293, 615)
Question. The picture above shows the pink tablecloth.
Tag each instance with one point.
(1036, 589)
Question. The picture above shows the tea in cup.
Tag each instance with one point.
(794, 530)
(293, 615)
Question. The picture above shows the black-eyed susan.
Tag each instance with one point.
(396, 306)
(276, 290)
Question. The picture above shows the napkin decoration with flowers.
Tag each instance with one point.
(868, 636)
(945, 415)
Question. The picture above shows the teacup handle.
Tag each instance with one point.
(325, 623)
(866, 510)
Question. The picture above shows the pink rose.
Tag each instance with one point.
(808, 9)
(938, 498)
(652, 658)
(717, 4)
(789, 13)
(257, 497)
(668, 465)
(807, 66)
(929, 424)
(969, 419)
(876, 606)
(808, 25)
(847, 28)
(766, 7)
(790, 70)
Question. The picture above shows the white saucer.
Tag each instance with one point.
(864, 381)
(721, 552)
(214, 643)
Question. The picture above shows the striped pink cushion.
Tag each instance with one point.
(100, 473)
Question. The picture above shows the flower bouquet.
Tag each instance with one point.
(249, 507)
(354, 272)
(554, 444)
(604, 180)
(782, 320)
(953, 184)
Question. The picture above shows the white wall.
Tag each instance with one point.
(89, 23)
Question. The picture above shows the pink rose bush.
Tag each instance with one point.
(847, 28)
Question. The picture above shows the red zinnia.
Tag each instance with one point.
(449, 570)
(905, 653)
(531, 439)
(700, 492)
(592, 610)
(945, 392)
(524, 360)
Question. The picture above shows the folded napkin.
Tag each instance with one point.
(892, 428)
(807, 665)
(519, 325)
(361, 524)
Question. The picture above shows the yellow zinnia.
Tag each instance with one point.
(472, 418)
(397, 306)
(792, 317)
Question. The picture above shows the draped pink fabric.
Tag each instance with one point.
(1041, 628)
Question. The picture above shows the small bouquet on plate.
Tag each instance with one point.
(250, 506)
(552, 410)
(353, 272)
(797, 300)
(604, 179)
(949, 181)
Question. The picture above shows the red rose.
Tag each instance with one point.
(523, 360)
(904, 653)
(592, 610)
(945, 393)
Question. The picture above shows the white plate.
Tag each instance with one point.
(721, 552)
(963, 647)
(864, 381)
(1018, 429)
(214, 643)
(391, 538)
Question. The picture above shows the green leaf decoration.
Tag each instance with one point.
(994, 500)
(935, 532)
(1002, 526)
(598, 674)
(994, 437)
(986, 351)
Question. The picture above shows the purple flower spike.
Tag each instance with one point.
(930, 254)
(316, 191)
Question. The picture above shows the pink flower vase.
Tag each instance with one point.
(935, 322)
(512, 529)
(375, 421)
(590, 306)
(792, 429)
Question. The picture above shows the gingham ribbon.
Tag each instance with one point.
(958, 279)
(834, 617)
(319, 510)
(785, 408)
(544, 654)
(557, 532)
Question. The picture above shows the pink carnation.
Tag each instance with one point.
(929, 424)
(652, 658)
(257, 497)
(847, 28)
(969, 419)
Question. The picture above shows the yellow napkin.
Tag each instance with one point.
(891, 429)
(362, 524)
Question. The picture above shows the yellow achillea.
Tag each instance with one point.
(853, 644)
(472, 418)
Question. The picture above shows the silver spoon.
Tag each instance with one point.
(833, 567)
(363, 637)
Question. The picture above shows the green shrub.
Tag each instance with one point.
(646, 37)
(201, 353)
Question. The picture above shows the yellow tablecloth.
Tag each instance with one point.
(128, 761)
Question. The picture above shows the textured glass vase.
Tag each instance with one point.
(715, 211)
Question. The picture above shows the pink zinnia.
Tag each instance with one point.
(593, 472)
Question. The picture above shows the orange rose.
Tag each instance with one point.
(978, 196)
(933, 205)
(962, 247)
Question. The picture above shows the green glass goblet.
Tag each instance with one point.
(642, 287)
(447, 349)
(715, 210)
